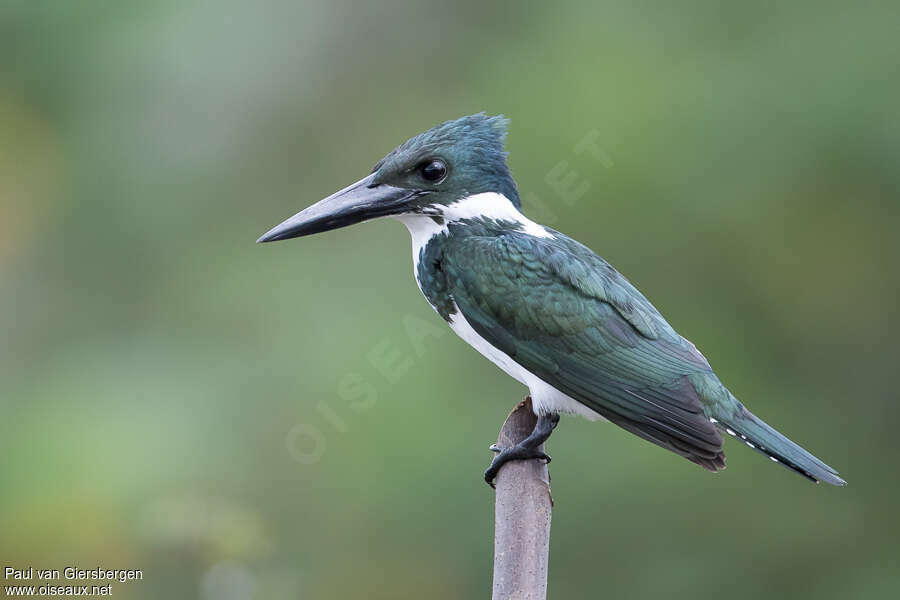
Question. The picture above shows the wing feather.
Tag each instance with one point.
(570, 318)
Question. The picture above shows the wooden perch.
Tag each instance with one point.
(522, 510)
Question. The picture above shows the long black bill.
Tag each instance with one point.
(359, 202)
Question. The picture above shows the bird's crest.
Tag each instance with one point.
(473, 146)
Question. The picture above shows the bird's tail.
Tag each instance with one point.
(753, 431)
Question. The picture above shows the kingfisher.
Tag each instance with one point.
(544, 308)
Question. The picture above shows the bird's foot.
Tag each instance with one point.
(527, 449)
(523, 456)
(504, 455)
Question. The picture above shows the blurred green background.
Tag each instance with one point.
(293, 420)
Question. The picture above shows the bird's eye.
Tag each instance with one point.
(433, 170)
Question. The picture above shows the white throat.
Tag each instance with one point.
(489, 205)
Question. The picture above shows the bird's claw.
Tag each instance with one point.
(507, 454)
(524, 450)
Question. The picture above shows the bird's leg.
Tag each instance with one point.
(524, 450)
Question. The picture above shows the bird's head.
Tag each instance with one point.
(422, 176)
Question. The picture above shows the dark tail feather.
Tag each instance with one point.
(753, 431)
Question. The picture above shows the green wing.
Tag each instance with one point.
(566, 315)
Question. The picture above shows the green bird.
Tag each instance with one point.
(544, 308)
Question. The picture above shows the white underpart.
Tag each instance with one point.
(544, 397)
